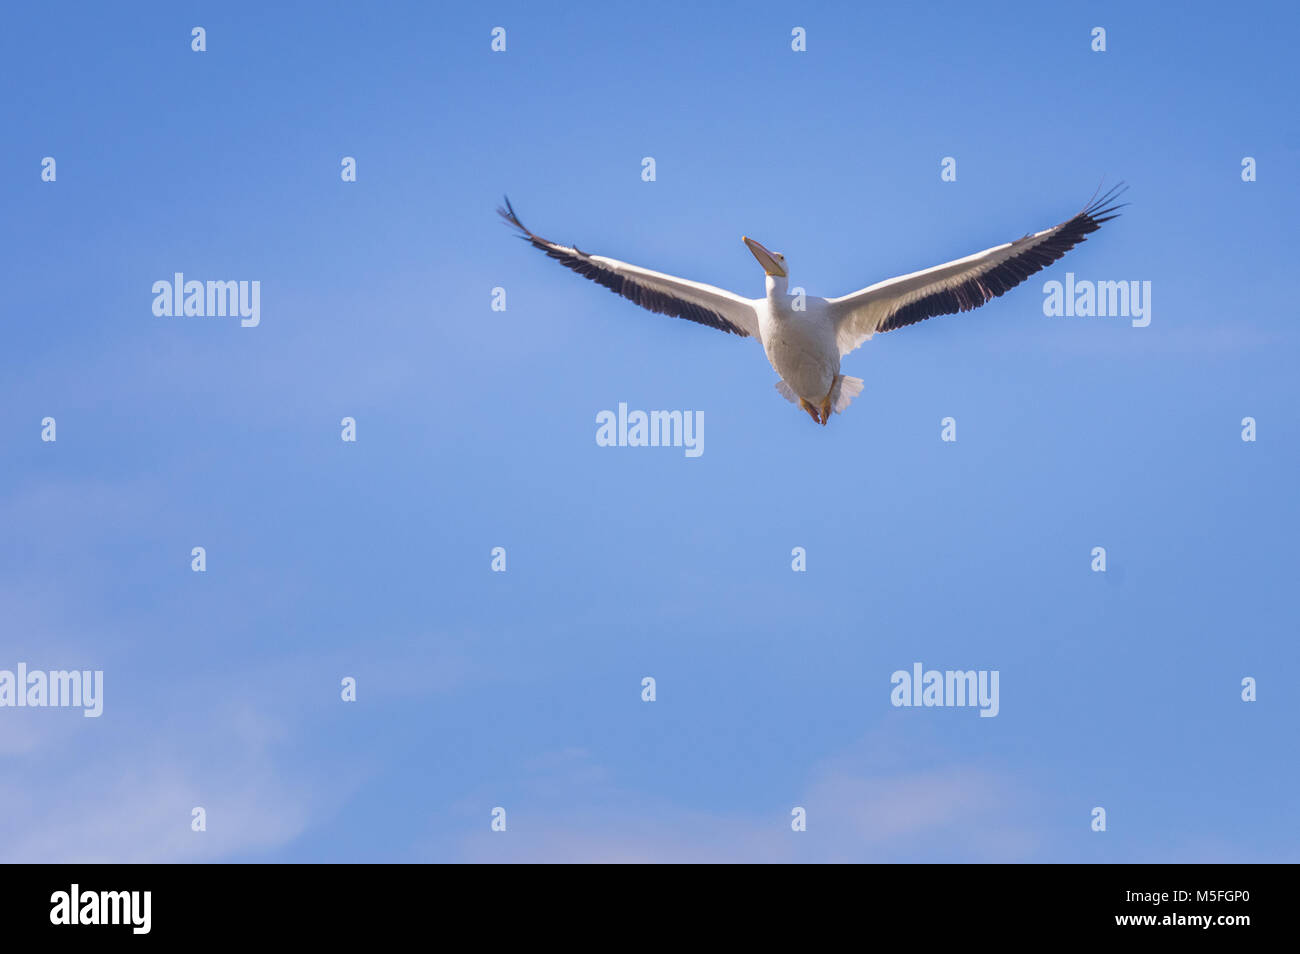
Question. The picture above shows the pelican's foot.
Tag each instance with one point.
(812, 411)
(826, 407)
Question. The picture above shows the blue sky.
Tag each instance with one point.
(476, 429)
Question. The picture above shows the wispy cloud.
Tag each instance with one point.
(572, 811)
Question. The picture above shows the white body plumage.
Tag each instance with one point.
(799, 342)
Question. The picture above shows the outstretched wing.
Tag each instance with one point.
(965, 283)
(655, 291)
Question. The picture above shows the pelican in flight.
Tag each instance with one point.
(806, 337)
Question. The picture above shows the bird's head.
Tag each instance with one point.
(773, 262)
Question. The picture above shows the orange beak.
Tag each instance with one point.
(765, 258)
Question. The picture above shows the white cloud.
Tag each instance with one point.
(570, 810)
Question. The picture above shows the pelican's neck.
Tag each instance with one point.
(777, 286)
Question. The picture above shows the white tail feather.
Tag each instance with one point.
(845, 390)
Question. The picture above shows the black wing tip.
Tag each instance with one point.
(1104, 208)
(507, 213)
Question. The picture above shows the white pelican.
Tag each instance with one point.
(804, 345)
